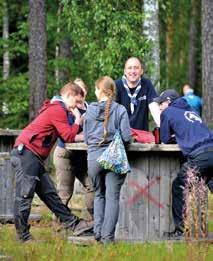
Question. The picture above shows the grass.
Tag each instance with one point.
(51, 245)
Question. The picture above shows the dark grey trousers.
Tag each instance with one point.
(107, 187)
(32, 177)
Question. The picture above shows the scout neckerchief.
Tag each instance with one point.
(133, 100)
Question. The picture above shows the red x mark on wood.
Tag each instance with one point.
(142, 191)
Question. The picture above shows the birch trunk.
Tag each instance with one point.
(151, 30)
(5, 36)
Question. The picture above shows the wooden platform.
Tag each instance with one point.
(8, 218)
(145, 199)
(82, 240)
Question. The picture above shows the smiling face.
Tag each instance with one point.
(133, 71)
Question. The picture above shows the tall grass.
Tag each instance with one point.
(196, 202)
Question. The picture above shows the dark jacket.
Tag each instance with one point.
(41, 134)
(139, 119)
(191, 134)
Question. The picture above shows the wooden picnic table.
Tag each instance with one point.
(145, 200)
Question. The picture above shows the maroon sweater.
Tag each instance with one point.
(41, 134)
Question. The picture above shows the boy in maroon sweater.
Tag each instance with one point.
(32, 146)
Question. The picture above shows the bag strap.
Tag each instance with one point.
(117, 119)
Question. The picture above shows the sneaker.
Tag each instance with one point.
(98, 237)
(88, 233)
(177, 234)
(27, 239)
(82, 226)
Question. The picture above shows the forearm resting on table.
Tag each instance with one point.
(155, 111)
(79, 137)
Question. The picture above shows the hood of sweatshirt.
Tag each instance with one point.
(47, 103)
(181, 103)
(97, 109)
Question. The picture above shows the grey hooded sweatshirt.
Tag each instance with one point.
(93, 126)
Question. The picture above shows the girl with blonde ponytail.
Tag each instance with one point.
(101, 121)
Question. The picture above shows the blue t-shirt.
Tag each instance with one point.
(139, 118)
(194, 101)
(71, 120)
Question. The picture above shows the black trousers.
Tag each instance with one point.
(203, 163)
(32, 177)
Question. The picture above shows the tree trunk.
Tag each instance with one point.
(193, 33)
(62, 52)
(37, 55)
(5, 36)
(207, 60)
(151, 30)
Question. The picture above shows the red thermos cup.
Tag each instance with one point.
(156, 133)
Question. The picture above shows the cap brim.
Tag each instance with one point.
(158, 99)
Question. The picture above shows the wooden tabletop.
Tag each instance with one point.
(8, 132)
(132, 147)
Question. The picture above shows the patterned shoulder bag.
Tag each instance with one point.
(114, 158)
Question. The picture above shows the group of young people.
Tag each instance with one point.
(121, 105)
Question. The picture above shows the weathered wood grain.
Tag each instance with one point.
(132, 147)
(7, 181)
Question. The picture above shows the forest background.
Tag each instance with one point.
(44, 44)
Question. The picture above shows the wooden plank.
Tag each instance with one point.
(154, 197)
(139, 210)
(165, 193)
(82, 240)
(132, 147)
(153, 147)
(132, 224)
(175, 165)
(8, 132)
(7, 178)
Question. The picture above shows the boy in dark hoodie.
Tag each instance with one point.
(195, 141)
(102, 119)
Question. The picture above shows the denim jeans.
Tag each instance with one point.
(203, 162)
(107, 187)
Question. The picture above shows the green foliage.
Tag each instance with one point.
(14, 112)
(104, 34)
(174, 19)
